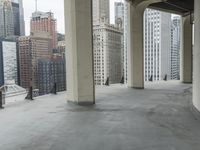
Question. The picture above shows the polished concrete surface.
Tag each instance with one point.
(159, 117)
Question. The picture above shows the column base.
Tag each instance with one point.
(81, 103)
(187, 82)
(138, 88)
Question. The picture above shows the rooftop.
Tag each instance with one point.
(156, 118)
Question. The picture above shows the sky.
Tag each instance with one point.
(55, 6)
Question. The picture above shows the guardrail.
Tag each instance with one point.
(2, 100)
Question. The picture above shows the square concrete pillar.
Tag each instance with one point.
(79, 51)
(196, 64)
(135, 47)
(186, 50)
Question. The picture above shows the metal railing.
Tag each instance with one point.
(2, 100)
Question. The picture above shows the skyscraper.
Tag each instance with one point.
(125, 60)
(12, 18)
(8, 62)
(31, 49)
(101, 11)
(157, 45)
(108, 46)
(119, 13)
(6, 19)
(120, 22)
(45, 22)
(51, 70)
(175, 47)
(18, 17)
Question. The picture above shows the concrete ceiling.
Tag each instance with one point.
(175, 6)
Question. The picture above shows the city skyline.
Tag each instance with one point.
(57, 7)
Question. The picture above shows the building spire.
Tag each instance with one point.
(35, 5)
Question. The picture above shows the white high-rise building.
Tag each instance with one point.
(108, 46)
(175, 47)
(101, 11)
(157, 45)
(119, 13)
(125, 42)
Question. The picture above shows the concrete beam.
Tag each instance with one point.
(79, 55)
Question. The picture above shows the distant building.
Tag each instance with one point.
(60, 37)
(62, 48)
(157, 45)
(6, 17)
(18, 17)
(120, 22)
(51, 71)
(45, 22)
(108, 46)
(125, 59)
(12, 18)
(31, 49)
(119, 13)
(8, 62)
(101, 11)
(175, 47)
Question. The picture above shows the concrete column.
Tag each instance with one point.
(79, 54)
(136, 10)
(186, 50)
(196, 67)
(135, 47)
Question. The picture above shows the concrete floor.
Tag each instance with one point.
(157, 118)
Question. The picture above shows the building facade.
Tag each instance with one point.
(51, 71)
(119, 13)
(45, 22)
(175, 47)
(108, 46)
(101, 11)
(125, 42)
(18, 17)
(8, 62)
(6, 17)
(157, 45)
(31, 49)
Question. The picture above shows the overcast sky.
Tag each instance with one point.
(55, 6)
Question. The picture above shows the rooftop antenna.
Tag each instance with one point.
(35, 5)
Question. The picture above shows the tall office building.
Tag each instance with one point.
(125, 42)
(51, 71)
(120, 22)
(61, 49)
(108, 45)
(12, 18)
(18, 17)
(157, 45)
(175, 47)
(45, 22)
(8, 62)
(6, 18)
(31, 49)
(101, 11)
(119, 13)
